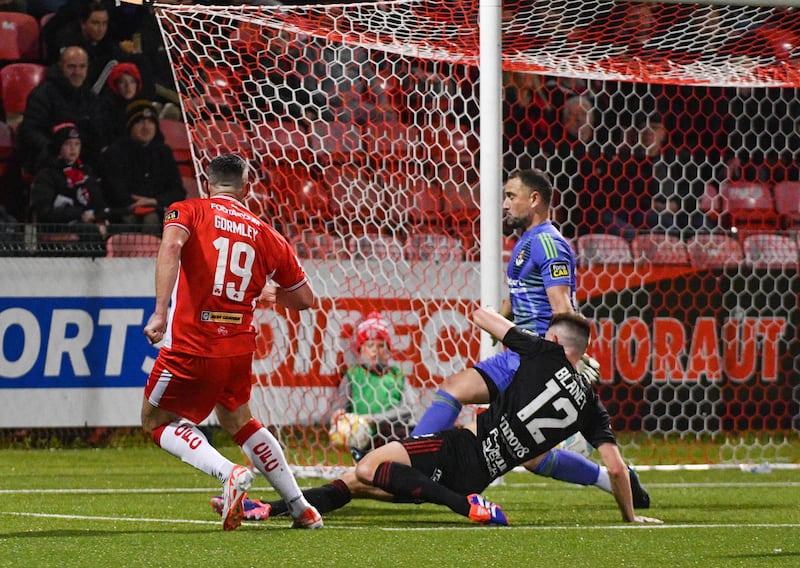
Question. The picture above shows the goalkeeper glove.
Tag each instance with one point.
(589, 368)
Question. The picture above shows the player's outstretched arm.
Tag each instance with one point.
(492, 322)
(621, 484)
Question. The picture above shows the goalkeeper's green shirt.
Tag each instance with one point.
(372, 393)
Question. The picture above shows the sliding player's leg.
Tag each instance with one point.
(405, 470)
(477, 385)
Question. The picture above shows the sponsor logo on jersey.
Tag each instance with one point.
(559, 270)
(221, 317)
(491, 454)
(234, 212)
(513, 443)
(171, 215)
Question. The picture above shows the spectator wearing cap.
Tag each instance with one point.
(124, 86)
(374, 388)
(139, 173)
(66, 192)
(63, 96)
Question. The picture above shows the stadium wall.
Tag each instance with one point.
(73, 352)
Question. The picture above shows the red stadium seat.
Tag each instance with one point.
(372, 246)
(355, 192)
(770, 250)
(449, 143)
(460, 191)
(132, 245)
(7, 148)
(318, 244)
(177, 138)
(658, 248)
(603, 249)
(749, 204)
(219, 136)
(281, 141)
(336, 142)
(17, 80)
(191, 187)
(787, 202)
(291, 194)
(433, 247)
(19, 37)
(714, 251)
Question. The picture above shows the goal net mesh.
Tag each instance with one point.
(669, 131)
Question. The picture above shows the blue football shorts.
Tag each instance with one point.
(498, 371)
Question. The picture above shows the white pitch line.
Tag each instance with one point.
(113, 491)
(102, 518)
(688, 485)
(533, 485)
(630, 526)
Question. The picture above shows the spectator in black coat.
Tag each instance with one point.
(66, 192)
(139, 172)
(90, 31)
(63, 96)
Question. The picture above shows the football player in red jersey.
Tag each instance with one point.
(214, 264)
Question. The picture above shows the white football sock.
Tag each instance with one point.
(266, 454)
(603, 481)
(185, 441)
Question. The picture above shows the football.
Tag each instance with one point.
(351, 431)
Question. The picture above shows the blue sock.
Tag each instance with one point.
(568, 466)
(441, 414)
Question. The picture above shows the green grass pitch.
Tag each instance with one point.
(141, 507)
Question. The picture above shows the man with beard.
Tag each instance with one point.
(541, 282)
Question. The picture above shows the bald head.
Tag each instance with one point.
(227, 174)
(74, 65)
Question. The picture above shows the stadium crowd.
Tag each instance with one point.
(626, 158)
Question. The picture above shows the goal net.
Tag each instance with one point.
(669, 131)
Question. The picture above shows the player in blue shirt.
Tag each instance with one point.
(542, 281)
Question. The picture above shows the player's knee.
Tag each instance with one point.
(365, 471)
(148, 426)
(466, 387)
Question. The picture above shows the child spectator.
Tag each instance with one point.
(124, 86)
(66, 192)
(374, 389)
